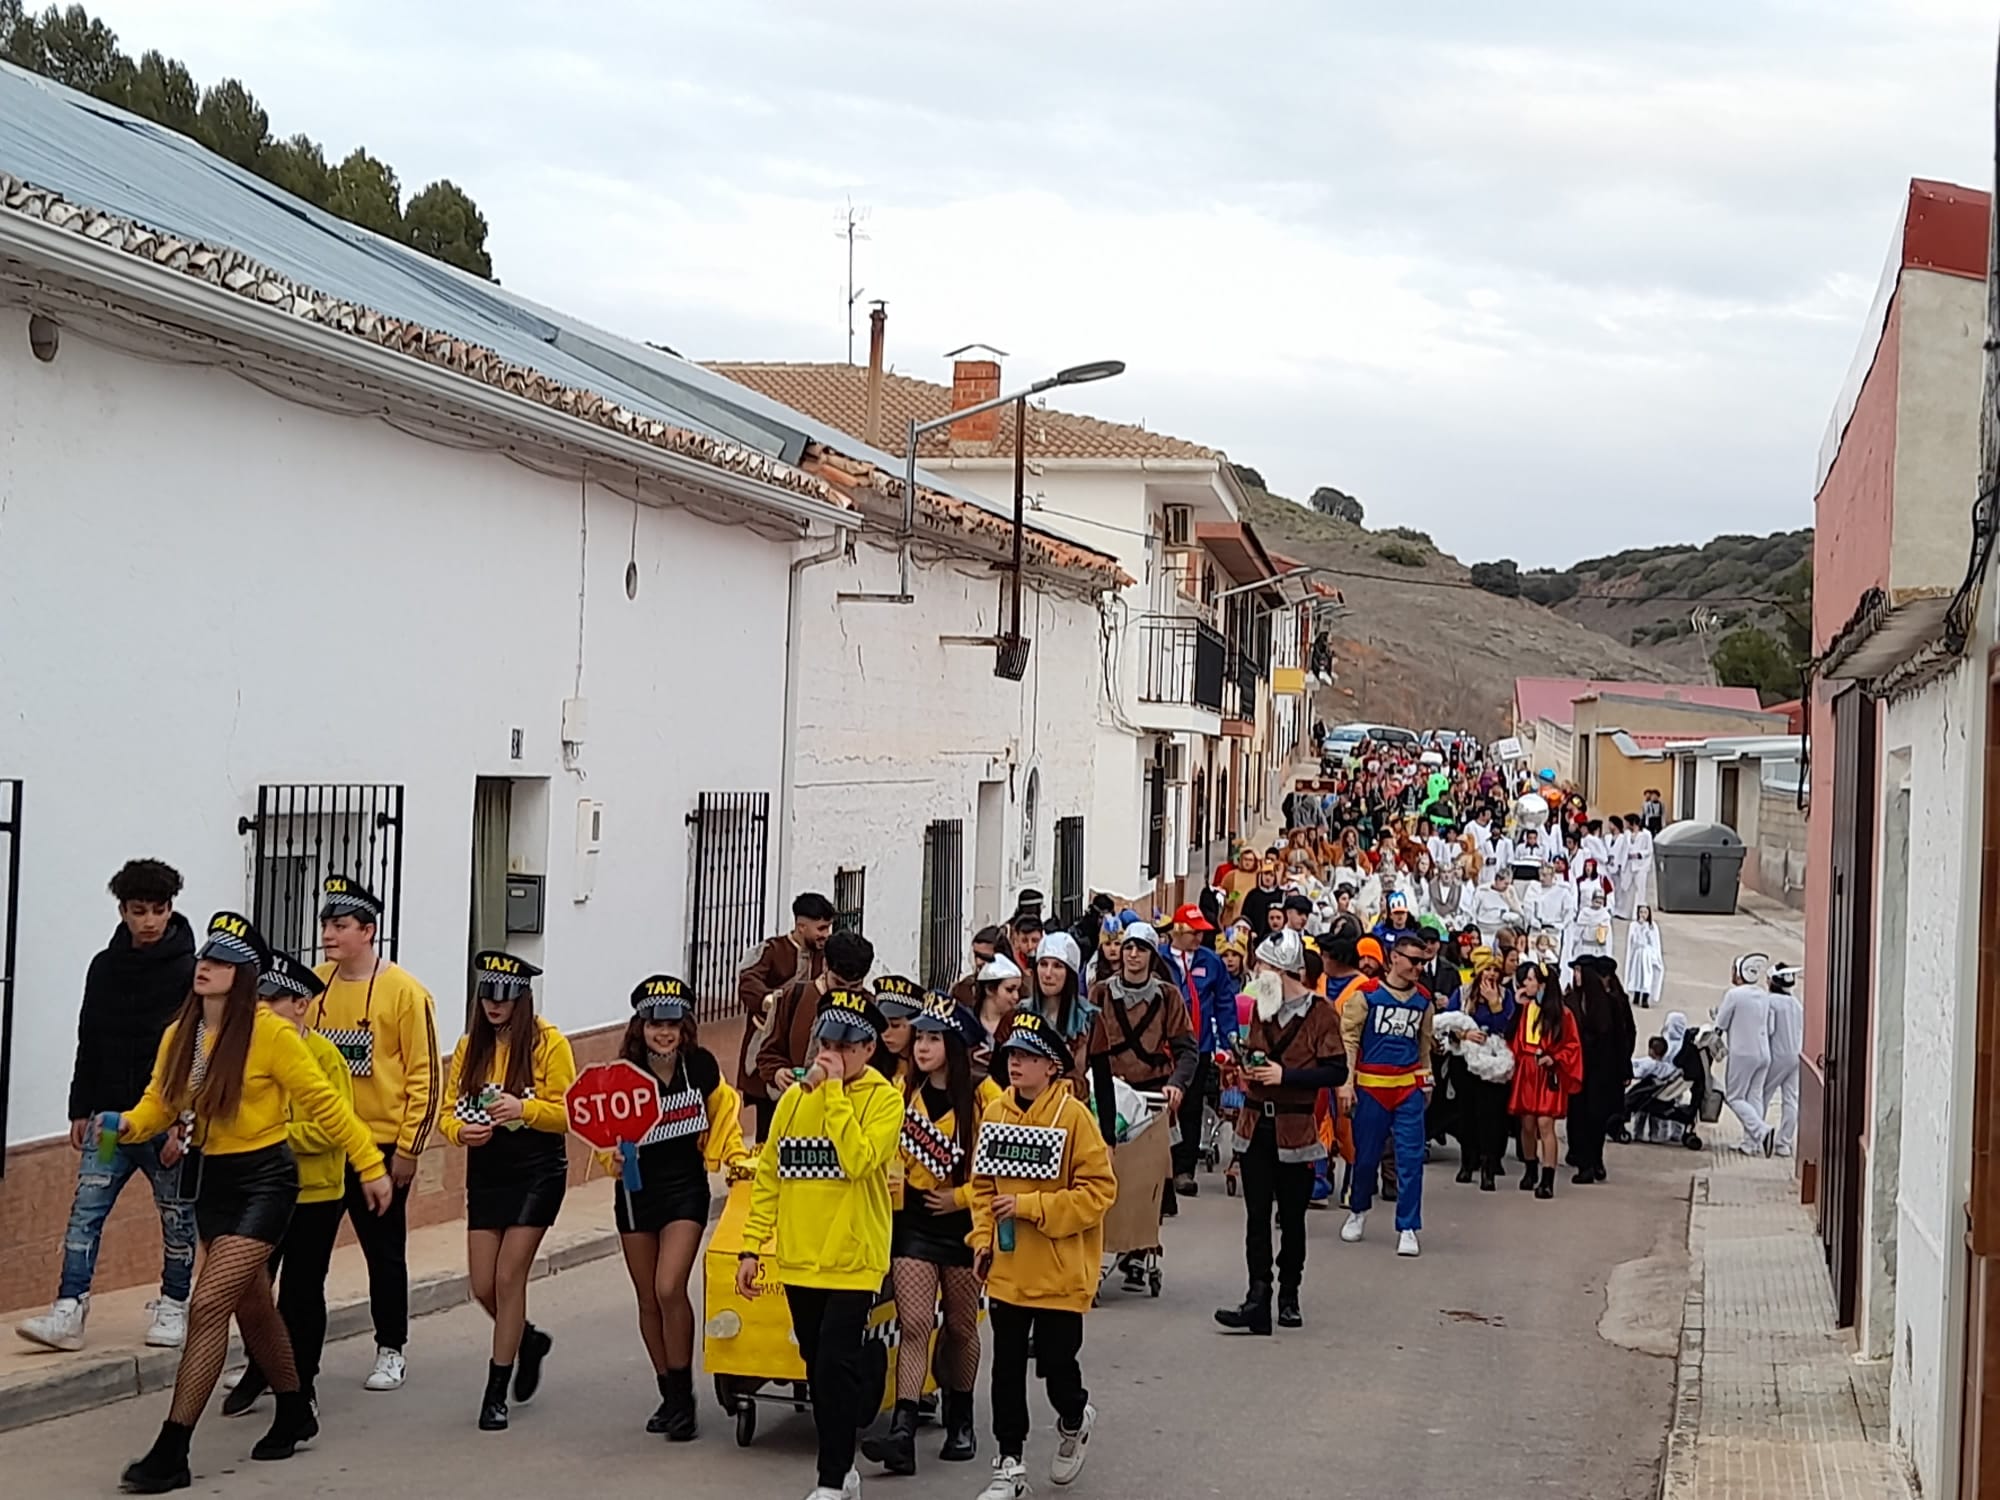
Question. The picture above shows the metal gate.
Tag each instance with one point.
(1069, 891)
(10, 906)
(1156, 812)
(944, 910)
(1849, 963)
(729, 845)
(303, 833)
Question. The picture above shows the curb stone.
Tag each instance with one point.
(1677, 1464)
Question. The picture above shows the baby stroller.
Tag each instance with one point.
(1668, 1110)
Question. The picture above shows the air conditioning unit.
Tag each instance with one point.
(1180, 525)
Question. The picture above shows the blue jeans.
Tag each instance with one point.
(1374, 1124)
(98, 1185)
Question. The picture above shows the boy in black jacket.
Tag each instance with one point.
(132, 991)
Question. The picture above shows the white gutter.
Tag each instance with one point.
(1133, 465)
(67, 253)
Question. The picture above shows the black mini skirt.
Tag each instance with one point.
(661, 1200)
(919, 1234)
(247, 1193)
(516, 1180)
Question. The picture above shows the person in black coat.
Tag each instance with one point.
(132, 990)
(1610, 1035)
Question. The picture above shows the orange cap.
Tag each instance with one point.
(1368, 947)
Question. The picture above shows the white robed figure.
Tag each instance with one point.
(1590, 931)
(1745, 1019)
(1645, 973)
(1635, 873)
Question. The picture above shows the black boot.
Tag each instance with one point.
(664, 1412)
(293, 1426)
(535, 1346)
(1254, 1316)
(682, 1424)
(1546, 1188)
(1464, 1169)
(1388, 1180)
(1530, 1177)
(896, 1452)
(960, 1445)
(1486, 1177)
(1289, 1315)
(493, 1406)
(248, 1389)
(165, 1466)
(1583, 1175)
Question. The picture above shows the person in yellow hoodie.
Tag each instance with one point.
(660, 1226)
(225, 1073)
(306, 1252)
(506, 1083)
(1041, 1186)
(821, 1194)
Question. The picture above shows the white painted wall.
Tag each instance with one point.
(1938, 371)
(204, 587)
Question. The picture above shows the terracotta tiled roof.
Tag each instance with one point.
(837, 394)
(1554, 698)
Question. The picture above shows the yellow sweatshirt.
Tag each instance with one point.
(917, 1174)
(1058, 1223)
(322, 1164)
(822, 1184)
(554, 1072)
(722, 1148)
(398, 1100)
(277, 1069)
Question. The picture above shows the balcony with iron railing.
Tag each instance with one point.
(1180, 674)
(1242, 671)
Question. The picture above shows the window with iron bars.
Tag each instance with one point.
(1069, 892)
(943, 912)
(850, 897)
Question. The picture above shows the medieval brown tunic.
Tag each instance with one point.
(1307, 1044)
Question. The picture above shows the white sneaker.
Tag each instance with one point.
(61, 1327)
(1009, 1481)
(1784, 1151)
(1351, 1230)
(1072, 1448)
(1749, 1148)
(821, 1492)
(388, 1373)
(850, 1487)
(1406, 1242)
(170, 1323)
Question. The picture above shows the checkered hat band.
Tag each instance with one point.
(808, 1157)
(229, 948)
(501, 986)
(1034, 1041)
(343, 902)
(279, 983)
(845, 1017)
(666, 1008)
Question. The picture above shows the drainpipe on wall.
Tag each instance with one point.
(787, 769)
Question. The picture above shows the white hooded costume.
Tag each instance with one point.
(1590, 932)
(1635, 872)
(1645, 964)
(1550, 908)
(1788, 1040)
(1745, 1018)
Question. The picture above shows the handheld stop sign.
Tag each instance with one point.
(613, 1106)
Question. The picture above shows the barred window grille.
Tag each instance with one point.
(850, 892)
(943, 910)
(729, 837)
(304, 832)
(1069, 891)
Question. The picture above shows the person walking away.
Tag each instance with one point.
(1645, 960)
(287, 988)
(660, 1226)
(130, 992)
(1788, 1039)
(1609, 1037)
(1211, 999)
(820, 1209)
(1386, 1031)
(1745, 1019)
(1548, 1069)
(781, 961)
(789, 1043)
(1293, 1053)
(1482, 1113)
(931, 1241)
(225, 1072)
(1041, 1186)
(384, 1023)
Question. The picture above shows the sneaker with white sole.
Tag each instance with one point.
(850, 1488)
(1072, 1448)
(1406, 1242)
(1009, 1481)
(390, 1368)
(234, 1378)
(170, 1323)
(1350, 1232)
(61, 1327)
(821, 1492)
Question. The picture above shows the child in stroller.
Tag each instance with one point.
(1664, 1100)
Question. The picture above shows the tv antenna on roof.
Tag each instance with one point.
(851, 231)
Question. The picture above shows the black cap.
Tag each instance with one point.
(342, 897)
(286, 977)
(1029, 905)
(898, 999)
(1033, 1034)
(1595, 963)
(661, 997)
(1410, 942)
(501, 976)
(233, 940)
(847, 1016)
(940, 1014)
(1299, 903)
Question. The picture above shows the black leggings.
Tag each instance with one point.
(1483, 1120)
(830, 1326)
(384, 1240)
(1058, 1339)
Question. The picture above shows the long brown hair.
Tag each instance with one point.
(959, 1087)
(692, 1060)
(482, 1038)
(222, 1086)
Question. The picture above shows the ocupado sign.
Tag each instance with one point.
(611, 1103)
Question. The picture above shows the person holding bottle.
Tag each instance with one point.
(660, 1225)
(506, 1083)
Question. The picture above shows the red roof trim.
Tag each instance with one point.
(1946, 229)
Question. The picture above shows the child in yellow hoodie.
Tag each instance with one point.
(1041, 1186)
(822, 1192)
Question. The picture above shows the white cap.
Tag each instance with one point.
(1283, 950)
(999, 966)
(1060, 946)
(1141, 932)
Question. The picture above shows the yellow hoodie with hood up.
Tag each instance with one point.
(822, 1184)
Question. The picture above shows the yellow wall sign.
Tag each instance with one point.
(1286, 680)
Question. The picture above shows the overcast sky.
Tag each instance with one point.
(1546, 278)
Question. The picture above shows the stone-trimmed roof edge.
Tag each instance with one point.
(233, 271)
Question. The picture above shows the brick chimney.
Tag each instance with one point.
(974, 381)
(871, 425)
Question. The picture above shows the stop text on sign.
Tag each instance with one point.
(615, 1108)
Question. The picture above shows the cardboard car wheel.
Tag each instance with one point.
(746, 1424)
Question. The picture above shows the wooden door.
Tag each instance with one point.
(1979, 1445)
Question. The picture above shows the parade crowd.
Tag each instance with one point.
(1425, 955)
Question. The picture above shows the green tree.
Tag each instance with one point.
(1749, 657)
(20, 37)
(445, 224)
(1793, 593)
(82, 53)
(233, 124)
(299, 167)
(165, 92)
(1502, 577)
(1245, 475)
(1342, 506)
(365, 192)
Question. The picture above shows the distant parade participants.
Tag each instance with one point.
(1042, 1184)
(1745, 1019)
(1548, 1069)
(1386, 1028)
(1609, 1037)
(1781, 1082)
(790, 956)
(1482, 1114)
(226, 1070)
(820, 1208)
(1292, 1052)
(385, 1025)
(996, 995)
(660, 1226)
(931, 1250)
(505, 1089)
(985, 943)
(1057, 997)
(788, 1043)
(287, 988)
(1211, 1001)
(1645, 960)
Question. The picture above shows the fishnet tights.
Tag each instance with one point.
(233, 1281)
(916, 1284)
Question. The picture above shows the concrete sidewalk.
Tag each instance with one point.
(36, 1384)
